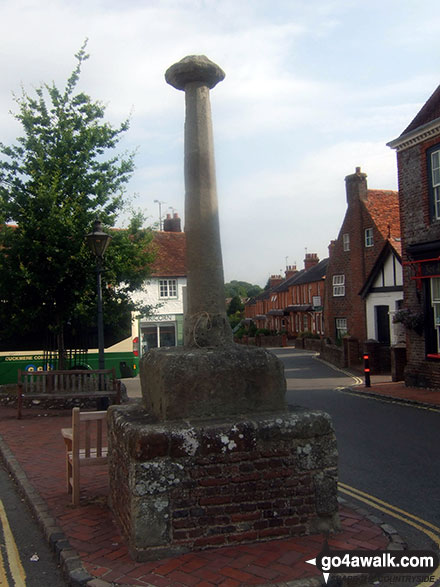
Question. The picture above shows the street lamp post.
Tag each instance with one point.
(98, 242)
(160, 212)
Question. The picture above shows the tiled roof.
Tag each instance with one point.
(263, 295)
(315, 273)
(284, 286)
(397, 245)
(429, 112)
(383, 207)
(170, 248)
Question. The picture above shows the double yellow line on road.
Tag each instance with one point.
(16, 570)
(430, 530)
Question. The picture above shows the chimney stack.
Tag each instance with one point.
(356, 187)
(275, 280)
(310, 261)
(290, 271)
(172, 224)
(331, 247)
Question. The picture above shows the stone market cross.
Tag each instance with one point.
(213, 456)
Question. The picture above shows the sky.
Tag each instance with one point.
(313, 89)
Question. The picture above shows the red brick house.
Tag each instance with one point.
(371, 221)
(306, 298)
(293, 304)
(418, 162)
(257, 308)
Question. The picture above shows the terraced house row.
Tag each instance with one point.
(355, 292)
(380, 286)
(294, 303)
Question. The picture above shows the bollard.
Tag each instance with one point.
(367, 370)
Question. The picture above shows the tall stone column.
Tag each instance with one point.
(206, 323)
(213, 435)
(210, 376)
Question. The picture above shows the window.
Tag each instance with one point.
(316, 302)
(158, 335)
(434, 162)
(305, 322)
(338, 285)
(340, 327)
(167, 288)
(346, 241)
(435, 301)
(369, 237)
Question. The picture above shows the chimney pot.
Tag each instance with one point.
(175, 222)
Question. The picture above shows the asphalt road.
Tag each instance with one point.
(388, 450)
(25, 557)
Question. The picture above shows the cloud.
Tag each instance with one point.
(312, 90)
(281, 212)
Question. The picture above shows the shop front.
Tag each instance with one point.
(158, 331)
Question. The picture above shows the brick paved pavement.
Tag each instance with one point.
(399, 392)
(93, 550)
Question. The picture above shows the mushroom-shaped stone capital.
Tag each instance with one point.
(194, 68)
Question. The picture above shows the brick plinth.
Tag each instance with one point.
(190, 485)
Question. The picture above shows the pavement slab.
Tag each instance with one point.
(33, 451)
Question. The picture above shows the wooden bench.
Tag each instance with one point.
(84, 446)
(74, 384)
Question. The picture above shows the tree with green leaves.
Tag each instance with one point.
(235, 305)
(62, 173)
(243, 289)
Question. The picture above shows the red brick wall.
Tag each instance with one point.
(221, 482)
(351, 264)
(417, 227)
(355, 264)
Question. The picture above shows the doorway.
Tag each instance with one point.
(383, 333)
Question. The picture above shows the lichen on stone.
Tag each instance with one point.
(229, 443)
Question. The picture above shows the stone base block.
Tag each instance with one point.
(188, 485)
(180, 383)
